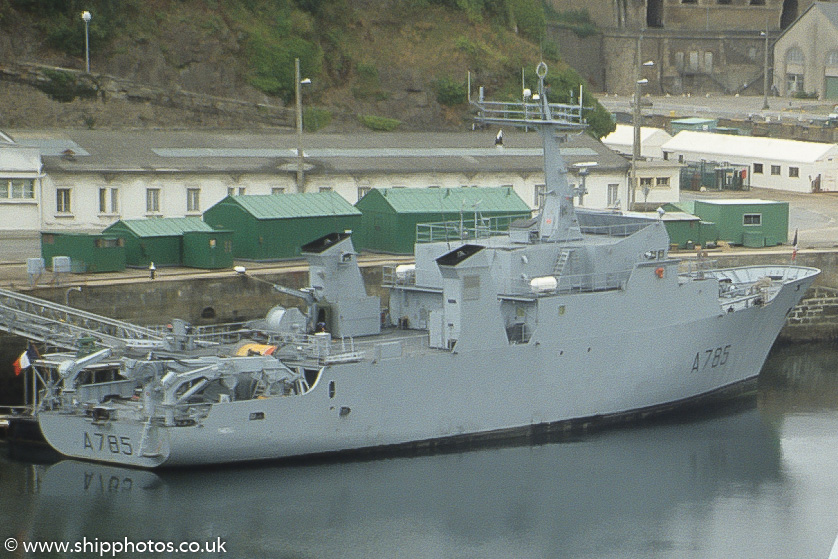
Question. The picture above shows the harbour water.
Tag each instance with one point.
(754, 481)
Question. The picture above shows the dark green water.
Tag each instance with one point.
(758, 482)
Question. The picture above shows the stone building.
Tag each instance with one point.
(806, 54)
(697, 46)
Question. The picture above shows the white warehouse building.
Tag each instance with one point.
(85, 180)
(780, 164)
(621, 140)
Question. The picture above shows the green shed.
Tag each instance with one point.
(748, 222)
(391, 214)
(158, 240)
(272, 227)
(208, 249)
(686, 230)
(88, 253)
(693, 123)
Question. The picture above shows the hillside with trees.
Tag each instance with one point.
(378, 63)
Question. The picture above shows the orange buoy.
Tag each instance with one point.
(659, 272)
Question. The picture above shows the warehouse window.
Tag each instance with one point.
(613, 200)
(277, 190)
(108, 200)
(752, 219)
(662, 182)
(795, 56)
(62, 200)
(325, 189)
(757, 168)
(794, 172)
(193, 199)
(363, 191)
(152, 200)
(775, 169)
(17, 189)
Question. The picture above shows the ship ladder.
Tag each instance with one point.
(260, 389)
(561, 263)
(144, 438)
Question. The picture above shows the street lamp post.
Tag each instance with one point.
(765, 71)
(86, 17)
(299, 106)
(584, 169)
(635, 144)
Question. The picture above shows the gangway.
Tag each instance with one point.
(62, 327)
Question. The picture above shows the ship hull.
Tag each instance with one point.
(599, 363)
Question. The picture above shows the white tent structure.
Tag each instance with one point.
(780, 164)
(621, 140)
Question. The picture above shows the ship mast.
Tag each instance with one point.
(557, 218)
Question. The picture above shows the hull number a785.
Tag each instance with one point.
(108, 443)
(711, 358)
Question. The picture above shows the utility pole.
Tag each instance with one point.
(765, 71)
(299, 103)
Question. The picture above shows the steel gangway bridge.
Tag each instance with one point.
(62, 327)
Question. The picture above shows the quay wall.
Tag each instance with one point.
(221, 298)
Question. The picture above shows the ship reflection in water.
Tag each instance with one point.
(759, 482)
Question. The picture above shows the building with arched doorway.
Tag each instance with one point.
(806, 54)
(696, 46)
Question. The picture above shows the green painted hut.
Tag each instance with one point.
(158, 240)
(208, 249)
(687, 230)
(392, 214)
(272, 227)
(748, 222)
(87, 253)
(693, 123)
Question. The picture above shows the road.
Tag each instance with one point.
(724, 106)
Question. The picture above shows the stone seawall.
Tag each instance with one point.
(198, 300)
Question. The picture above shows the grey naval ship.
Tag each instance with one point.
(575, 316)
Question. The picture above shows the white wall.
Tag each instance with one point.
(131, 191)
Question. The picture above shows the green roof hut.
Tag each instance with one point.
(273, 227)
(88, 253)
(748, 222)
(392, 214)
(158, 240)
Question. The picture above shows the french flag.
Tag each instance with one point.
(26, 358)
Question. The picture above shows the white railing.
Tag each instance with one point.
(466, 229)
